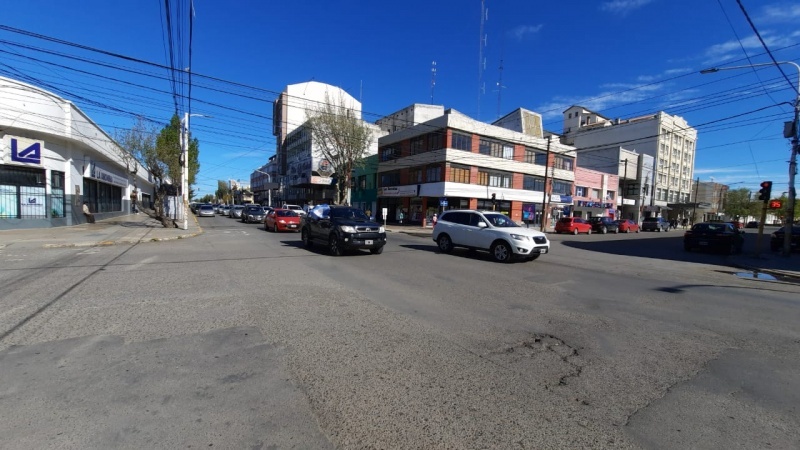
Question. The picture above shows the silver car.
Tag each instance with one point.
(205, 211)
(253, 213)
(236, 211)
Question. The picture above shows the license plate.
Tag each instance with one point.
(702, 243)
(292, 226)
(368, 242)
(539, 250)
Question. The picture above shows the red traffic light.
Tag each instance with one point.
(766, 184)
(775, 204)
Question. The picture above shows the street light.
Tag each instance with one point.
(269, 189)
(185, 165)
(795, 135)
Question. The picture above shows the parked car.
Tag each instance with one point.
(737, 225)
(296, 208)
(655, 224)
(253, 214)
(720, 236)
(226, 210)
(604, 225)
(573, 225)
(282, 220)
(205, 211)
(488, 231)
(236, 211)
(342, 228)
(777, 237)
(627, 226)
(752, 224)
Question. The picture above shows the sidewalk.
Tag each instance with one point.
(129, 229)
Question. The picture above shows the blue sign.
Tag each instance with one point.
(31, 154)
(442, 201)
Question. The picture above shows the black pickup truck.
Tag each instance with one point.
(342, 228)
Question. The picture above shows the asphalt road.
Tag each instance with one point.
(240, 338)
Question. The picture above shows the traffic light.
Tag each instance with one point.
(775, 204)
(766, 191)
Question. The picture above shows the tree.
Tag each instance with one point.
(341, 138)
(738, 204)
(160, 155)
(223, 191)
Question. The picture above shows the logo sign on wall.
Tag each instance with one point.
(32, 154)
(324, 168)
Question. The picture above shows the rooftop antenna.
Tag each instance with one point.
(481, 59)
(433, 78)
(500, 88)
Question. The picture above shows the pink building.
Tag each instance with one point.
(595, 194)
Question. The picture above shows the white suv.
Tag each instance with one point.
(488, 230)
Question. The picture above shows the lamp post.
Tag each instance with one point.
(185, 166)
(269, 189)
(795, 135)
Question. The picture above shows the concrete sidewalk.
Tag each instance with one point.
(129, 229)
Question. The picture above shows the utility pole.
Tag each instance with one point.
(696, 188)
(545, 199)
(624, 182)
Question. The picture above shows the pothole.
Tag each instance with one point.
(544, 357)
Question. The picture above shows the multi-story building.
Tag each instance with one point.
(710, 198)
(595, 194)
(264, 181)
(305, 175)
(363, 186)
(53, 158)
(453, 161)
(668, 139)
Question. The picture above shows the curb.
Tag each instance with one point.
(122, 241)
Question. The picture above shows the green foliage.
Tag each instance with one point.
(738, 204)
(223, 191)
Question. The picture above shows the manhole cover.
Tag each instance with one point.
(756, 276)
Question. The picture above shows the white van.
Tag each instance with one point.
(296, 208)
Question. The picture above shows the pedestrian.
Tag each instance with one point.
(434, 219)
(685, 222)
(401, 216)
(88, 213)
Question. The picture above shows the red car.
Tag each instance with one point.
(573, 225)
(627, 226)
(282, 220)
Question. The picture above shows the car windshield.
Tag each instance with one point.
(286, 213)
(709, 228)
(500, 220)
(256, 210)
(349, 213)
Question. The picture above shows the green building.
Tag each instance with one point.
(363, 188)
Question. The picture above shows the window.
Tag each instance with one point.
(564, 163)
(580, 191)
(57, 204)
(595, 193)
(562, 187)
(459, 174)
(535, 157)
(494, 179)
(462, 142)
(362, 182)
(389, 153)
(417, 145)
(609, 195)
(433, 174)
(435, 140)
(390, 179)
(415, 175)
(496, 148)
(531, 183)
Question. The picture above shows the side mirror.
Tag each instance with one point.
(482, 224)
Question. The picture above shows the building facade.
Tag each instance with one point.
(668, 139)
(306, 177)
(595, 194)
(363, 186)
(53, 158)
(454, 161)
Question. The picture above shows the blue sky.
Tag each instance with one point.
(621, 58)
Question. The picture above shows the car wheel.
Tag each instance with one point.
(377, 250)
(333, 246)
(637, 230)
(501, 252)
(444, 243)
(306, 238)
(659, 229)
(575, 231)
(616, 231)
(603, 230)
(627, 230)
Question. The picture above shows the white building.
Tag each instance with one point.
(53, 158)
(668, 139)
(305, 175)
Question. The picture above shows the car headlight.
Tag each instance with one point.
(382, 230)
(347, 229)
(281, 221)
(519, 237)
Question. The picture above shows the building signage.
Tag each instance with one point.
(411, 190)
(106, 176)
(595, 204)
(25, 151)
(321, 180)
(443, 201)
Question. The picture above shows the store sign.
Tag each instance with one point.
(26, 151)
(321, 180)
(105, 176)
(588, 204)
(400, 191)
